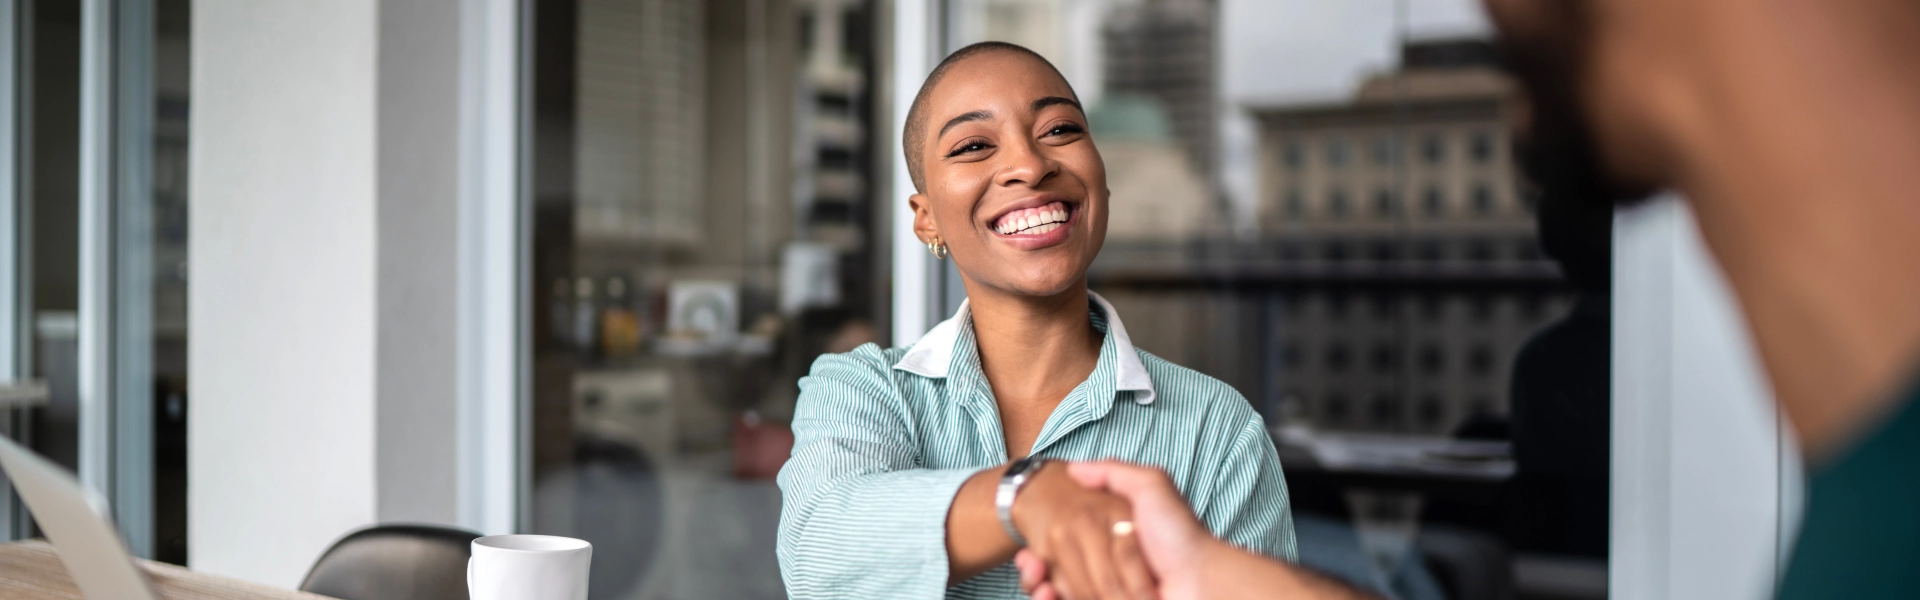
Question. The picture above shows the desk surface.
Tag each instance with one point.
(32, 571)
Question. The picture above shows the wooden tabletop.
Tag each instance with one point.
(32, 571)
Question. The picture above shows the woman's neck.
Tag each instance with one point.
(1034, 349)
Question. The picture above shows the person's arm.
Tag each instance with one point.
(1189, 562)
(1248, 506)
(860, 518)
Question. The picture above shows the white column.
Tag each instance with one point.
(334, 280)
(915, 51)
(1700, 487)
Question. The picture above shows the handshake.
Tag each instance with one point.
(1112, 530)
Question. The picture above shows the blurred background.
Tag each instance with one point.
(588, 247)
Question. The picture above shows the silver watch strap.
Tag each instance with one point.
(1016, 477)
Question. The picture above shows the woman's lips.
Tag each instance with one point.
(1033, 221)
(1036, 228)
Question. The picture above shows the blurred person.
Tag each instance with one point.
(1561, 408)
(918, 472)
(1790, 128)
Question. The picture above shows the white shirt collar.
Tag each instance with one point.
(931, 356)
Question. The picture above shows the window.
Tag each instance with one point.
(1385, 149)
(1433, 359)
(1434, 148)
(1337, 152)
(1292, 155)
(1337, 358)
(1480, 360)
(1482, 146)
(1407, 226)
(126, 165)
(1337, 203)
(710, 219)
(1482, 200)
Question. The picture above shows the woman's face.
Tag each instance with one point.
(1014, 186)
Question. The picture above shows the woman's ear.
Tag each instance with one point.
(923, 226)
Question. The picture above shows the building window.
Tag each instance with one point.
(1383, 203)
(1383, 251)
(1482, 146)
(1384, 149)
(1433, 305)
(1483, 308)
(1482, 200)
(1380, 410)
(1434, 148)
(1432, 411)
(1295, 205)
(1433, 360)
(1435, 201)
(1480, 251)
(1383, 356)
(1292, 155)
(1336, 408)
(1337, 152)
(1337, 358)
(1432, 251)
(1335, 251)
(1480, 360)
(1337, 202)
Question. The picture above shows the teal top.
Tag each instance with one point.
(884, 438)
(1862, 524)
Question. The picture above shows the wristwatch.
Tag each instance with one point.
(1016, 476)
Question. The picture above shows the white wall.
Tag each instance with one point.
(1700, 487)
(282, 289)
(324, 276)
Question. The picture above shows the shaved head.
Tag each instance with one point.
(914, 137)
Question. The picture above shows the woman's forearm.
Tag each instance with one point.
(976, 542)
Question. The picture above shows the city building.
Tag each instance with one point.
(1403, 216)
(1165, 49)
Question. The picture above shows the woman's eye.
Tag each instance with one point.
(1065, 129)
(967, 148)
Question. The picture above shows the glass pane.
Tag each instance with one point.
(171, 53)
(704, 226)
(152, 235)
(1317, 204)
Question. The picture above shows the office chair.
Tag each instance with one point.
(394, 562)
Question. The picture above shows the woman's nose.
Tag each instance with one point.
(1025, 164)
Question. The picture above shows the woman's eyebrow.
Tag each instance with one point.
(1053, 100)
(978, 115)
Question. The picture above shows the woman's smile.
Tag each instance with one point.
(1036, 222)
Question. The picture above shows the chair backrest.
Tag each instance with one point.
(395, 562)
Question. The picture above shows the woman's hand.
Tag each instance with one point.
(1072, 529)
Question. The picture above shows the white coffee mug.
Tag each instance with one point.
(528, 567)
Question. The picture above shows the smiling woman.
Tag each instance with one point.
(945, 445)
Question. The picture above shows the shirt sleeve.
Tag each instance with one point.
(1248, 506)
(858, 519)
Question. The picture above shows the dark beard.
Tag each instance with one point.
(1559, 151)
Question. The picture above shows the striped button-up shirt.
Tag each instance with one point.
(884, 438)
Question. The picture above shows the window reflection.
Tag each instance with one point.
(1359, 260)
(705, 224)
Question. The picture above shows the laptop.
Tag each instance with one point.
(73, 519)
